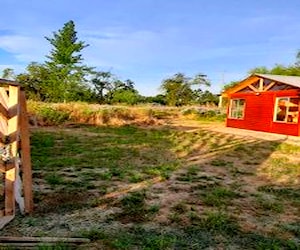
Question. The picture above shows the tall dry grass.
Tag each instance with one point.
(53, 114)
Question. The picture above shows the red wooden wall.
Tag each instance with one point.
(259, 111)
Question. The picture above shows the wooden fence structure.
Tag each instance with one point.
(15, 162)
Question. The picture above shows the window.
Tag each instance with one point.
(286, 109)
(237, 107)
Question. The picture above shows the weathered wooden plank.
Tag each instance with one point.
(28, 246)
(13, 110)
(261, 85)
(5, 220)
(3, 125)
(269, 86)
(6, 114)
(9, 165)
(3, 108)
(253, 88)
(10, 175)
(4, 97)
(5, 139)
(11, 137)
(4, 102)
(2, 168)
(25, 155)
(4, 111)
(43, 239)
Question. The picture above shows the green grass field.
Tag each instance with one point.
(161, 187)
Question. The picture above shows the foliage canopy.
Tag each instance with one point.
(178, 88)
(64, 76)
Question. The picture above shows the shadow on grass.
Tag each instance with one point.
(219, 190)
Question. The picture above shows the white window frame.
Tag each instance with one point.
(239, 108)
(288, 98)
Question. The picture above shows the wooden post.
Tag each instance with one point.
(25, 155)
(220, 104)
(3, 131)
(10, 175)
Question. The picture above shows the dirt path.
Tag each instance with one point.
(188, 125)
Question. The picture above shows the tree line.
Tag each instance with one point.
(278, 69)
(64, 77)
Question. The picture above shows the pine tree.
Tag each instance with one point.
(67, 73)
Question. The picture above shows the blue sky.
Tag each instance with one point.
(150, 40)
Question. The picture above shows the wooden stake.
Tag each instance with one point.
(25, 155)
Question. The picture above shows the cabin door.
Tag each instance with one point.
(259, 112)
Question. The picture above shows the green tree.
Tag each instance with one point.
(66, 71)
(259, 70)
(122, 92)
(206, 97)
(125, 96)
(129, 85)
(123, 85)
(102, 82)
(8, 74)
(279, 69)
(157, 99)
(230, 85)
(34, 81)
(178, 89)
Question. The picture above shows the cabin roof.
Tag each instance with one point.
(289, 80)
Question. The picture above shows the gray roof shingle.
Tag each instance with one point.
(290, 80)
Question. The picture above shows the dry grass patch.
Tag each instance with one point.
(52, 114)
(133, 187)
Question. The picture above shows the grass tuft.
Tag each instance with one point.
(219, 222)
(218, 196)
(135, 208)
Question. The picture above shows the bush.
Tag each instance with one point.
(52, 116)
(205, 114)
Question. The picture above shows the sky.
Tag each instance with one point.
(148, 41)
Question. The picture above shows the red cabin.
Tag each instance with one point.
(265, 102)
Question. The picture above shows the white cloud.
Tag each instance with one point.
(24, 48)
(18, 68)
(121, 48)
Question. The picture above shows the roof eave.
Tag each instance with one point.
(4, 82)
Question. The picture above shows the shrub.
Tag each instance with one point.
(205, 113)
(48, 115)
(54, 117)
